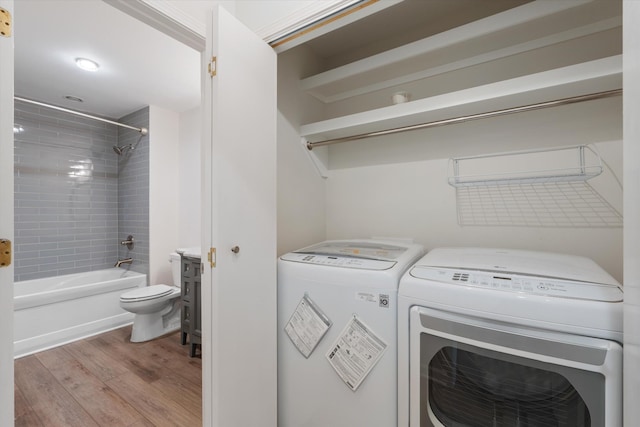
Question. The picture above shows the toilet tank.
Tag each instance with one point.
(174, 259)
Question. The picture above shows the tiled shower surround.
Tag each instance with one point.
(67, 193)
(133, 191)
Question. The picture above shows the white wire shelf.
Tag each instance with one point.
(555, 197)
(574, 163)
(548, 204)
(532, 177)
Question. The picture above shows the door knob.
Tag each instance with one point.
(235, 249)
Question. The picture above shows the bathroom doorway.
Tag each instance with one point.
(128, 51)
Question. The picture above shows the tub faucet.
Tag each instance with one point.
(123, 261)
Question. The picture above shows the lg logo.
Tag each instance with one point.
(383, 301)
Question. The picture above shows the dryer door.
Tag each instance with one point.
(472, 372)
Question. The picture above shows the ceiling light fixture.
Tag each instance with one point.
(87, 64)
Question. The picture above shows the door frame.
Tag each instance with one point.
(6, 223)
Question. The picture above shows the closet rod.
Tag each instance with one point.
(143, 131)
(460, 119)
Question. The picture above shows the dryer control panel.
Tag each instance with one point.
(511, 282)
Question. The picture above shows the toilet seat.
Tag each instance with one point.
(147, 293)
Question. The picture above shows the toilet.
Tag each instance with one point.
(156, 307)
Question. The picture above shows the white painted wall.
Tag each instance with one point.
(631, 43)
(397, 185)
(257, 14)
(414, 200)
(301, 191)
(163, 191)
(263, 17)
(189, 196)
(190, 13)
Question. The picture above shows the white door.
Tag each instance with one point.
(239, 221)
(6, 218)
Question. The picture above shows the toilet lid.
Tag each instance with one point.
(146, 293)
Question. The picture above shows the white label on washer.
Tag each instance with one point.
(366, 297)
(306, 326)
(355, 352)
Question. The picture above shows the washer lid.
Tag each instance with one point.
(354, 254)
(147, 293)
(339, 261)
(356, 249)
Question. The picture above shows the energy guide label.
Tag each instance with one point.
(356, 351)
(306, 326)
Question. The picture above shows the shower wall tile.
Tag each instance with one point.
(75, 199)
(66, 185)
(133, 191)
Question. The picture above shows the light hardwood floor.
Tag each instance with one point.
(106, 380)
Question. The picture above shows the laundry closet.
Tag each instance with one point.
(516, 111)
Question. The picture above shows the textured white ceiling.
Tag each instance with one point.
(139, 66)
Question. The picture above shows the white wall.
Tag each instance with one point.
(396, 185)
(631, 70)
(257, 14)
(163, 192)
(301, 191)
(414, 200)
(189, 178)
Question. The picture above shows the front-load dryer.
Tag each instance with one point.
(337, 313)
(493, 337)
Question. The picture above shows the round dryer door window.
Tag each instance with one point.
(469, 389)
(467, 372)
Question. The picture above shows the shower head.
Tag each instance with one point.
(120, 150)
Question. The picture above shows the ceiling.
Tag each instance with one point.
(139, 65)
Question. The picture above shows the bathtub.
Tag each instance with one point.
(56, 310)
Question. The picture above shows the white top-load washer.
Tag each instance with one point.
(521, 337)
(337, 359)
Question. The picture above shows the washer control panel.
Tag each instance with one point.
(339, 261)
(512, 282)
